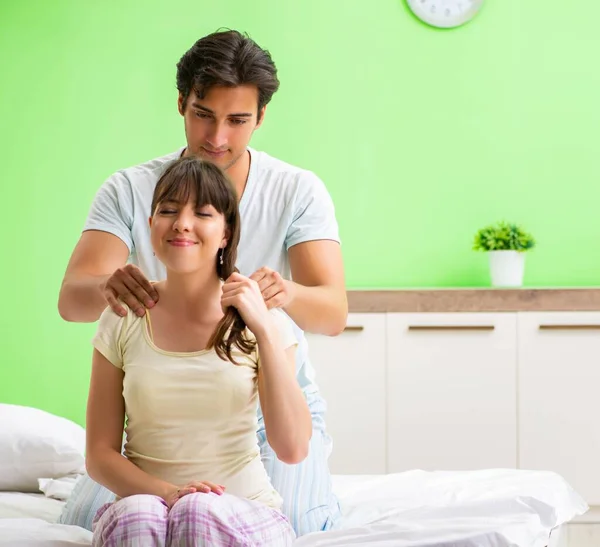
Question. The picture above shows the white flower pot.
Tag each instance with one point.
(507, 268)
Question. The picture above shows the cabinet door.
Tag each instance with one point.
(559, 397)
(350, 372)
(451, 391)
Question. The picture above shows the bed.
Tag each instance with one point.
(42, 460)
(492, 508)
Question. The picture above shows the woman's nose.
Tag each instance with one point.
(183, 222)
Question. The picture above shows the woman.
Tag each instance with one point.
(187, 377)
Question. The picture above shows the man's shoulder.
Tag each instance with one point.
(144, 173)
(273, 168)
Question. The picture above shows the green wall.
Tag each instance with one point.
(422, 136)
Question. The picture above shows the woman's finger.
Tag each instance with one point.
(231, 286)
(216, 488)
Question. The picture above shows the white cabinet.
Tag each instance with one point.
(559, 397)
(350, 372)
(451, 391)
(465, 391)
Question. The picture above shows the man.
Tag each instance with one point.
(289, 231)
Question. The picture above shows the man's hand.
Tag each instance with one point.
(244, 294)
(129, 285)
(276, 291)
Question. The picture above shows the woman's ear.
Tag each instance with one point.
(226, 237)
(150, 222)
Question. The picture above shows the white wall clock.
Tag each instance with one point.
(445, 13)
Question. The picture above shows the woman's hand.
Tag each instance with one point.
(244, 294)
(191, 488)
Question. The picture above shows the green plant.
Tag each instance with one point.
(503, 236)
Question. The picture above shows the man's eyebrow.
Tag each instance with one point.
(232, 115)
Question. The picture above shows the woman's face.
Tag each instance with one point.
(187, 238)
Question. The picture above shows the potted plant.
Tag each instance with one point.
(506, 244)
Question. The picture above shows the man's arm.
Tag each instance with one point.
(318, 291)
(95, 259)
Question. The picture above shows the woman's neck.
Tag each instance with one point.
(196, 296)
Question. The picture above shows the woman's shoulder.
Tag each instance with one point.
(120, 326)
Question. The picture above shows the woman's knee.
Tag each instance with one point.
(205, 520)
(192, 505)
(131, 520)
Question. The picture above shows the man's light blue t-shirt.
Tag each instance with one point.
(281, 206)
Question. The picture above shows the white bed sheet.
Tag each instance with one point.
(492, 508)
(29, 520)
(27, 532)
(20, 505)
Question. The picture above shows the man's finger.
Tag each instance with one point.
(266, 282)
(121, 292)
(258, 275)
(145, 284)
(271, 291)
(133, 303)
(139, 292)
(115, 305)
(275, 301)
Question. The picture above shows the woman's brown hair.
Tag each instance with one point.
(192, 178)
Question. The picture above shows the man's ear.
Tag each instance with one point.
(180, 105)
(261, 116)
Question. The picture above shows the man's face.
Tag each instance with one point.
(218, 127)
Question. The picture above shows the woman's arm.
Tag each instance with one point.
(288, 423)
(104, 434)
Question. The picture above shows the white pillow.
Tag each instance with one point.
(35, 444)
(59, 489)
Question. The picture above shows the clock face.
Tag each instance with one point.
(444, 13)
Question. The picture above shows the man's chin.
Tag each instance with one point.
(223, 162)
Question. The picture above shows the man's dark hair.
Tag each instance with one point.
(229, 59)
